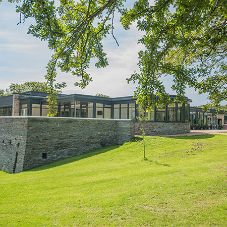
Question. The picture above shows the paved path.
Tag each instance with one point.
(201, 132)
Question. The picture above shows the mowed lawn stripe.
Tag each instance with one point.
(182, 182)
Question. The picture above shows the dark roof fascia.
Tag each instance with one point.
(6, 101)
(91, 98)
(34, 93)
(80, 97)
(127, 98)
(199, 109)
(33, 97)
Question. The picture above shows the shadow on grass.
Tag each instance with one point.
(157, 163)
(193, 137)
(75, 158)
(137, 139)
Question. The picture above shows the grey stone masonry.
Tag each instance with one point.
(16, 105)
(13, 135)
(162, 128)
(27, 142)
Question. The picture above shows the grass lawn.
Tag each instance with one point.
(183, 182)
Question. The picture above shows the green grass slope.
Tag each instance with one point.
(183, 182)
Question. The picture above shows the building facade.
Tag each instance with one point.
(87, 106)
(200, 119)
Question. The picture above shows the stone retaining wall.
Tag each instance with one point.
(162, 128)
(26, 142)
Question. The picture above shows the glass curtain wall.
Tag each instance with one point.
(171, 112)
(124, 111)
(99, 110)
(205, 119)
(84, 109)
(180, 112)
(90, 109)
(107, 111)
(72, 110)
(150, 115)
(225, 119)
(132, 110)
(65, 109)
(35, 109)
(116, 111)
(187, 112)
(45, 110)
(161, 113)
(6, 111)
(24, 110)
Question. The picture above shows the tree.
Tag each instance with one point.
(183, 39)
(27, 86)
(102, 95)
(2, 93)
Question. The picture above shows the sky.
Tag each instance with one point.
(24, 58)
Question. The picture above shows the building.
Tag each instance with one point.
(200, 119)
(87, 106)
(83, 123)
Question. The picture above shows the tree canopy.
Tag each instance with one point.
(186, 40)
(27, 86)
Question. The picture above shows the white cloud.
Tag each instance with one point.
(112, 79)
(24, 58)
(21, 48)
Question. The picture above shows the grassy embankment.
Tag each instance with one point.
(183, 182)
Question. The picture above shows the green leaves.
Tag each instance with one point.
(27, 86)
(183, 39)
(74, 31)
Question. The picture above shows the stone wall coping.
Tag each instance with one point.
(67, 118)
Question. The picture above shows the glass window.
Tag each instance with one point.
(45, 110)
(116, 111)
(124, 111)
(225, 119)
(171, 111)
(187, 111)
(99, 110)
(65, 109)
(72, 109)
(107, 113)
(191, 118)
(78, 114)
(84, 109)
(90, 110)
(194, 118)
(140, 112)
(6, 111)
(205, 119)
(35, 109)
(201, 118)
(180, 112)
(161, 114)
(132, 110)
(150, 115)
(24, 110)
